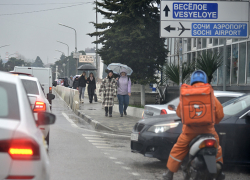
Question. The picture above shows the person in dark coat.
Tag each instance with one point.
(91, 86)
(81, 86)
(75, 83)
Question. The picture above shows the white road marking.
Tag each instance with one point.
(93, 138)
(127, 168)
(100, 144)
(86, 135)
(103, 147)
(70, 121)
(119, 162)
(106, 153)
(112, 158)
(106, 133)
(93, 141)
(135, 174)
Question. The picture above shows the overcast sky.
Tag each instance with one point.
(35, 34)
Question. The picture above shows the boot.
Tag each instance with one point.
(220, 175)
(168, 175)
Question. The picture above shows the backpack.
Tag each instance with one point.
(197, 105)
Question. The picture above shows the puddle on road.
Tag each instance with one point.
(80, 122)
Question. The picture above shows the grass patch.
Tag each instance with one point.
(137, 106)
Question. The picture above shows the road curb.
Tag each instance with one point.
(95, 124)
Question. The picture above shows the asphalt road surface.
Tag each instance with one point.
(77, 152)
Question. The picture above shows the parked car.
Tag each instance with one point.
(156, 109)
(22, 149)
(154, 137)
(38, 101)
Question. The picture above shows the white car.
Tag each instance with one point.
(38, 101)
(155, 109)
(23, 153)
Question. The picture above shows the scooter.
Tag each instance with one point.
(201, 164)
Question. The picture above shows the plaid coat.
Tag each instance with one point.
(109, 90)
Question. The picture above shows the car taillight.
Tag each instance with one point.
(39, 106)
(20, 177)
(208, 143)
(21, 149)
(50, 89)
(163, 111)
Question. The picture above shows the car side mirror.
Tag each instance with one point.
(50, 96)
(171, 107)
(45, 118)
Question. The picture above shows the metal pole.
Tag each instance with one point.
(4, 45)
(75, 42)
(97, 71)
(68, 57)
(180, 55)
(224, 63)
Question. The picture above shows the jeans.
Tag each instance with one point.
(123, 102)
(81, 92)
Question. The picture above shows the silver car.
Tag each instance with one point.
(22, 149)
(38, 101)
(154, 110)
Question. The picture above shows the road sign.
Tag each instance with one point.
(86, 59)
(76, 54)
(204, 10)
(204, 19)
(200, 29)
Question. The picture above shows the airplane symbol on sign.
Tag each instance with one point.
(182, 28)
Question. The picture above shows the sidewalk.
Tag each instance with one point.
(94, 114)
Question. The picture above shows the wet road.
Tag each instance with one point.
(77, 152)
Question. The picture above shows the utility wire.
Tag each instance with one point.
(39, 4)
(44, 10)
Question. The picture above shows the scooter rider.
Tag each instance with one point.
(181, 148)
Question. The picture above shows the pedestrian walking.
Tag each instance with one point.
(71, 81)
(75, 83)
(91, 86)
(108, 90)
(123, 92)
(82, 80)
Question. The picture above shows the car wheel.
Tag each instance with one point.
(47, 139)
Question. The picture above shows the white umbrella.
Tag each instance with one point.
(117, 68)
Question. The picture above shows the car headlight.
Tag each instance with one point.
(160, 128)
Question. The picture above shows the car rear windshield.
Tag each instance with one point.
(9, 108)
(30, 86)
(236, 105)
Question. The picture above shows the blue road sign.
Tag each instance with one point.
(220, 29)
(186, 10)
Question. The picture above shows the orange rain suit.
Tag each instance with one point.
(181, 147)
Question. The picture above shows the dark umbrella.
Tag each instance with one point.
(87, 67)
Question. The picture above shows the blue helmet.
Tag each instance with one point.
(198, 76)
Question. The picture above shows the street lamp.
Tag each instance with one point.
(5, 45)
(60, 51)
(64, 68)
(75, 42)
(68, 56)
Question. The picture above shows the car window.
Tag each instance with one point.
(9, 108)
(236, 105)
(30, 86)
(224, 99)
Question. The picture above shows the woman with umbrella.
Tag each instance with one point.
(108, 89)
(91, 86)
(123, 84)
(82, 80)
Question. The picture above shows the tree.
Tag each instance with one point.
(38, 62)
(209, 62)
(131, 37)
(12, 62)
(172, 72)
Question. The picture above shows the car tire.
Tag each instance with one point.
(47, 139)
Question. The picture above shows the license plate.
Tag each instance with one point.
(134, 136)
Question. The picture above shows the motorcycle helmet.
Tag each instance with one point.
(198, 76)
